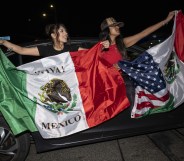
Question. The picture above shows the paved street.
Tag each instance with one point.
(160, 146)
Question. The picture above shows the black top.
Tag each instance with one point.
(48, 50)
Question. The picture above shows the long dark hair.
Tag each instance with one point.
(53, 28)
(104, 35)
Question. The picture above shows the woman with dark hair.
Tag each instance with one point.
(59, 36)
(113, 41)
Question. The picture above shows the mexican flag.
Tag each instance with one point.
(62, 94)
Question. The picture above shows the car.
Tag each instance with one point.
(16, 148)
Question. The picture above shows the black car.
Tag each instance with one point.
(16, 148)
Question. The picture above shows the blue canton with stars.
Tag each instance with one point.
(145, 72)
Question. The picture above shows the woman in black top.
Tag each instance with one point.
(59, 36)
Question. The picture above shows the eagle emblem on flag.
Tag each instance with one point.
(56, 96)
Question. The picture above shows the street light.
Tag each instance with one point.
(53, 7)
(44, 14)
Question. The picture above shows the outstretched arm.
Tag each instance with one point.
(20, 50)
(131, 40)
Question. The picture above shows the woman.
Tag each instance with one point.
(112, 39)
(59, 36)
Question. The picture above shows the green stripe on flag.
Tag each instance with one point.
(16, 107)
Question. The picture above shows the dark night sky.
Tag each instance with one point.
(23, 20)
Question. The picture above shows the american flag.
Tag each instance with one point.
(151, 93)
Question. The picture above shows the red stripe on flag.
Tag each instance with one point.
(153, 97)
(146, 105)
(179, 36)
(101, 86)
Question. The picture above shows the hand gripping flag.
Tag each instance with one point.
(61, 95)
(158, 74)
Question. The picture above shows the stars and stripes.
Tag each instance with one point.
(151, 93)
(145, 72)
